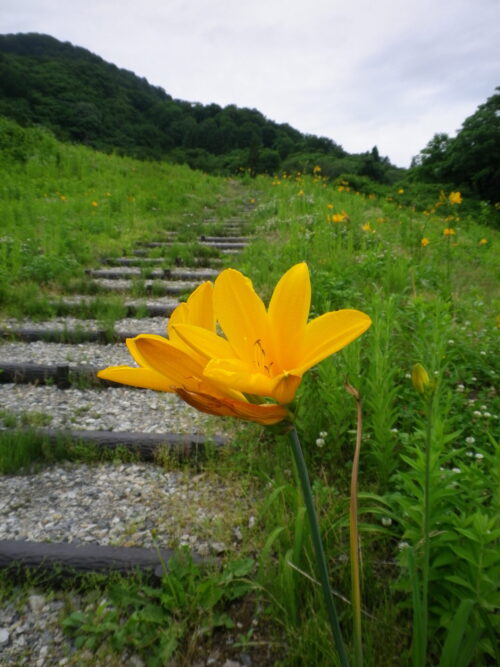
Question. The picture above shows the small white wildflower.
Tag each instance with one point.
(479, 456)
(386, 520)
(486, 414)
(436, 372)
(469, 454)
(460, 387)
(320, 442)
(408, 376)
(482, 353)
(470, 440)
(323, 434)
(403, 545)
(451, 342)
(484, 407)
(457, 470)
(473, 379)
(476, 413)
(394, 430)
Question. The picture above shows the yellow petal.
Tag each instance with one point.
(137, 377)
(206, 343)
(262, 414)
(241, 313)
(288, 312)
(238, 375)
(328, 334)
(197, 310)
(134, 350)
(162, 356)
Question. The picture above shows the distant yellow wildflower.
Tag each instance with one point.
(330, 206)
(62, 197)
(483, 241)
(316, 169)
(449, 231)
(340, 217)
(455, 198)
(400, 191)
(94, 204)
(367, 227)
(424, 242)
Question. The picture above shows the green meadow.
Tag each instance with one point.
(425, 268)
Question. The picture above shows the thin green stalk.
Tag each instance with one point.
(318, 546)
(354, 534)
(426, 526)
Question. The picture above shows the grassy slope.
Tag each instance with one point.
(435, 304)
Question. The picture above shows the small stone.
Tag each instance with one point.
(36, 603)
(4, 636)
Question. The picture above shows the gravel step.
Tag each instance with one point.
(153, 307)
(138, 260)
(118, 409)
(143, 445)
(220, 245)
(62, 325)
(163, 273)
(224, 245)
(165, 287)
(226, 239)
(60, 375)
(78, 335)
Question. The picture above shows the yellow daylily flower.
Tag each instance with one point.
(266, 352)
(172, 366)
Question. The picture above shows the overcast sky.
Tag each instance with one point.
(390, 73)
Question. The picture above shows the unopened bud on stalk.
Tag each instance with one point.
(420, 379)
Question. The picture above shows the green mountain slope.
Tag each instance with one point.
(82, 98)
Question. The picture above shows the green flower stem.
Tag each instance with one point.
(354, 538)
(318, 546)
(426, 526)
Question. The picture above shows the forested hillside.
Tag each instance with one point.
(84, 99)
(472, 158)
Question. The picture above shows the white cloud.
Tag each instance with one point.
(391, 73)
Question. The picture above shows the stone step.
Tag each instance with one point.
(226, 239)
(144, 444)
(221, 245)
(149, 306)
(59, 375)
(224, 245)
(62, 559)
(55, 335)
(200, 262)
(160, 287)
(136, 272)
(144, 252)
